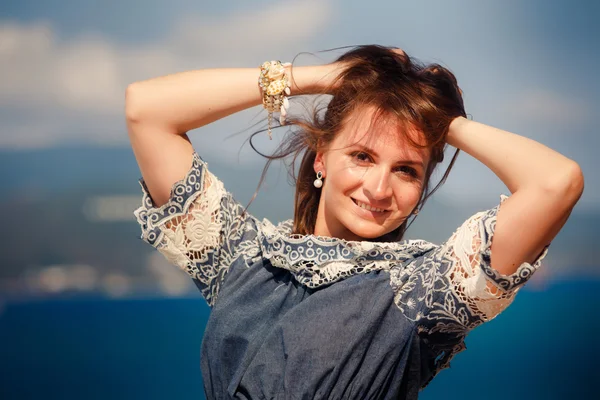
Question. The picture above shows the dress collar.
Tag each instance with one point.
(318, 260)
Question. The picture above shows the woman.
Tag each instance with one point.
(332, 304)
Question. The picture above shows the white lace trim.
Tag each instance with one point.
(187, 228)
(189, 236)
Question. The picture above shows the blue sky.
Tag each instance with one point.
(529, 67)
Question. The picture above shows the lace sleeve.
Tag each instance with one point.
(471, 277)
(201, 228)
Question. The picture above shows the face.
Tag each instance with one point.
(372, 178)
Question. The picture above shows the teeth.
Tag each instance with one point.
(368, 207)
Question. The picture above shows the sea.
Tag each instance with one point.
(542, 347)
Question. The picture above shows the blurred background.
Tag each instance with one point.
(88, 310)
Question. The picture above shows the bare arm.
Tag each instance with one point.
(545, 187)
(160, 111)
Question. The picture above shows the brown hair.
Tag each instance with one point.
(425, 97)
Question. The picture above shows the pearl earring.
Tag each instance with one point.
(319, 181)
(416, 212)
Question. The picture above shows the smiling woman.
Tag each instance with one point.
(397, 311)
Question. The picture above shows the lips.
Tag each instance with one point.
(367, 207)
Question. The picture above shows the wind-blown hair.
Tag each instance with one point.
(416, 96)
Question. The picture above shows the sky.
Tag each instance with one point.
(527, 67)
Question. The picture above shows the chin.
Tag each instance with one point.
(367, 232)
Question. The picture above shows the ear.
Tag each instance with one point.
(319, 164)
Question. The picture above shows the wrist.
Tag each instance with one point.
(455, 127)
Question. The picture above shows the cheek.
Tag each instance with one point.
(341, 183)
(345, 179)
(407, 194)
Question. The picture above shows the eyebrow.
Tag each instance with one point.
(403, 161)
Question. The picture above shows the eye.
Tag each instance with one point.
(361, 156)
(406, 170)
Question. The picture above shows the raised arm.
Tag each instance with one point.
(160, 111)
(545, 186)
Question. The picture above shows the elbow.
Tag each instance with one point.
(576, 181)
(570, 184)
(133, 112)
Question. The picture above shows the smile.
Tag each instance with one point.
(368, 207)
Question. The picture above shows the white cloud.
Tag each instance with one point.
(274, 28)
(544, 106)
(54, 84)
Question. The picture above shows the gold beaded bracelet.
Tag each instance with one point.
(275, 87)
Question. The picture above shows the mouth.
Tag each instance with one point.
(366, 207)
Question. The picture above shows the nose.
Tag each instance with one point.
(377, 184)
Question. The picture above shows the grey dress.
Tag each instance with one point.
(308, 317)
